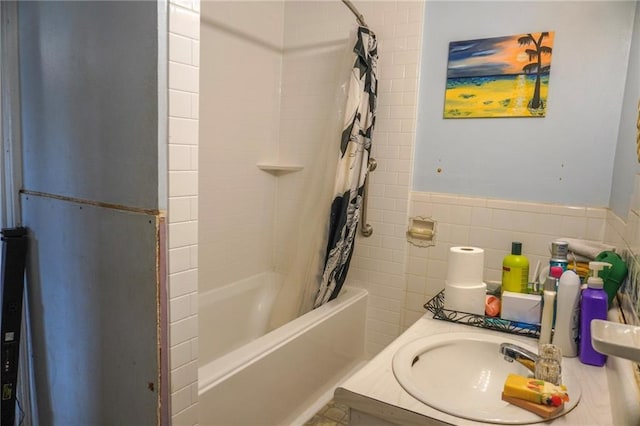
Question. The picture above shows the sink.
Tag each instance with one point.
(612, 338)
(463, 374)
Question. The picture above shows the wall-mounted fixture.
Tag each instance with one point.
(421, 231)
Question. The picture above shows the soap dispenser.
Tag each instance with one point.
(593, 305)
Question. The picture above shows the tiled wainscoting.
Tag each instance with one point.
(492, 225)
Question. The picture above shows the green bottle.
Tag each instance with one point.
(515, 270)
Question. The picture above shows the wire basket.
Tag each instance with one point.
(436, 306)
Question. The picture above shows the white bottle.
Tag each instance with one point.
(567, 327)
(546, 321)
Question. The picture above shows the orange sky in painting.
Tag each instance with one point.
(510, 52)
(492, 56)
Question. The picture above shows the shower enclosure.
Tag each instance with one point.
(273, 81)
(273, 87)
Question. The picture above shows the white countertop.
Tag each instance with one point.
(374, 389)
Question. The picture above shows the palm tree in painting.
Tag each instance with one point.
(535, 66)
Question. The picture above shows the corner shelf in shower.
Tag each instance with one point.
(278, 169)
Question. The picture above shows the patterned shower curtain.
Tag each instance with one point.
(353, 161)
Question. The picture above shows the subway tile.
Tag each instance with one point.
(437, 269)
(179, 104)
(408, 126)
(402, 139)
(195, 55)
(187, 4)
(183, 330)
(183, 283)
(574, 227)
(433, 287)
(383, 315)
(183, 77)
(459, 234)
(194, 392)
(409, 29)
(384, 303)
(399, 166)
(181, 354)
(180, 400)
(180, 307)
(416, 266)
(549, 224)
(383, 340)
(180, 158)
(179, 259)
(595, 229)
(195, 106)
(184, 22)
(410, 317)
(180, 209)
(183, 183)
(481, 216)
(186, 417)
(440, 251)
(380, 253)
(194, 348)
(416, 283)
(414, 42)
(396, 17)
(415, 301)
(184, 376)
(502, 219)
(180, 49)
(390, 98)
(183, 131)
(383, 327)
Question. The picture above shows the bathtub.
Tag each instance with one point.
(284, 376)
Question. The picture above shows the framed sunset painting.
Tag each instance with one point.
(499, 76)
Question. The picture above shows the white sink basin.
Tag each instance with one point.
(612, 338)
(463, 374)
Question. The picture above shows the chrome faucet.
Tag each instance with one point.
(513, 352)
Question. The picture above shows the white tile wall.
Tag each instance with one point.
(379, 261)
(491, 225)
(184, 32)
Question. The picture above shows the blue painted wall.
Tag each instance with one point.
(566, 157)
(626, 164)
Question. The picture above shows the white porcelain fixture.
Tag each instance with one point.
(463, 374)
(274, 379)
(614, 338)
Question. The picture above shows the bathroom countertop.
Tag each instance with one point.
(375, 391)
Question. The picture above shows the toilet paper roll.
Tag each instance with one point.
(465, 298)
(465, 266)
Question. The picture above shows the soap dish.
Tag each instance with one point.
(613, 338)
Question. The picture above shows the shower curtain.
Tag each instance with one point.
(355, 146)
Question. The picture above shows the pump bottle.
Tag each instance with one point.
(592, 306)
(565, 335)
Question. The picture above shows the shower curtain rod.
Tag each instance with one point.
(356, 12)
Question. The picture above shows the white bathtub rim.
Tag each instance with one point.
(216, 371)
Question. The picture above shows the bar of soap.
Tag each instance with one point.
(534, 390)
(544, 411)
